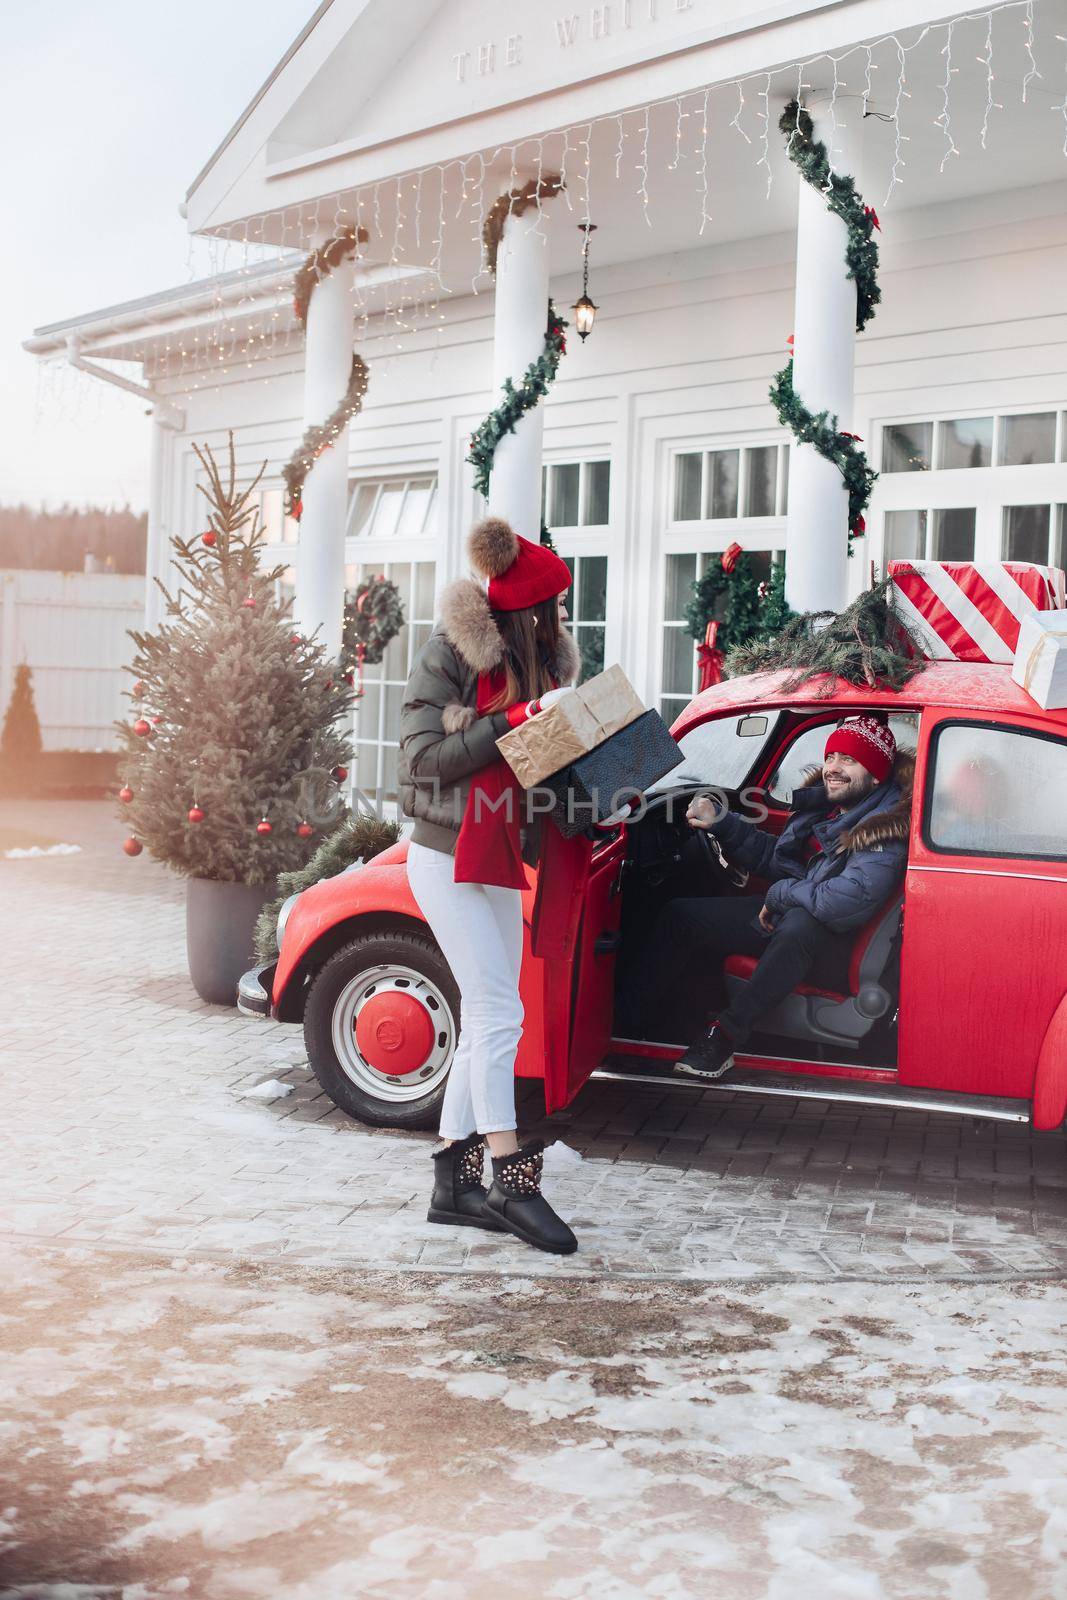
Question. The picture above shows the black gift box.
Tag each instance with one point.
(617, 772)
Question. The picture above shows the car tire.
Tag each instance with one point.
(405, 967)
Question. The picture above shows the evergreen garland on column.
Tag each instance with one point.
(820, 429)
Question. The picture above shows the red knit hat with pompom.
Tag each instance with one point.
(520, 573)
(867, 741)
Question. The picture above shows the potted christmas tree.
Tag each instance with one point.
(20, 741)
(234, 751)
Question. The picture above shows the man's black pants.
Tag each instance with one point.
(691, 939)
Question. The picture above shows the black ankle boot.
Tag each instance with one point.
(458, 1196)
(516, 1201)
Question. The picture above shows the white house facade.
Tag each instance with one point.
(657, 446)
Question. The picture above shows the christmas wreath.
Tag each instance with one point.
(374, 616)
(732, 606)
(820, 429)
(320, 436)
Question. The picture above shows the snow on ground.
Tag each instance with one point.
(16, 853)
(238, 1433)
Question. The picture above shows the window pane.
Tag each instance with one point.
(563, 496)
(967, 443)
(953, 535)
(593, 589)
(687, 488)
(905, 535)
(723, 473)
(597, 493)
(416, 505)
(399, 572)
(784, 507)
(395, 660)
(761, 467)
(999, 792)
(1024, 440)
(387, 512)
(367, 708)
(906, 448)
(420, 632)
(424, 579)
(361, 507)
(394, 699)
(678, 661)
(367, 768)
(681, 574)
(1026, 533)
(390, 755)
(591, 646)
(672, 706)
(1059, 538)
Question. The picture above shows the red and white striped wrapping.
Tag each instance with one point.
(956, 611)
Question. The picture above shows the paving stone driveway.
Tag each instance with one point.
(123, 1101)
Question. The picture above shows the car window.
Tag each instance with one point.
(722, 752)
(998, 791)
(806, 751)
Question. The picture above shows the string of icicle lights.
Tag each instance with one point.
(409, 215)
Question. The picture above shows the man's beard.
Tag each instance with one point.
(851, 790)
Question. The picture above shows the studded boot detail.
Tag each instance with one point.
(458, 1195)
(516, 1201)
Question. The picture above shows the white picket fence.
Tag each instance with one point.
(71, 629)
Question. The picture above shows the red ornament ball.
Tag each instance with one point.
(264, 827)
(138, 690)
(250, 603)
(340, 774)
(305, 830)
(157, 719)
(350, 677)
(142, 728)
(210, 538)
(195, 814)
(295, 638)
(126, 794)
(132, 847)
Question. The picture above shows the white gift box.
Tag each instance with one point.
(1040, 664)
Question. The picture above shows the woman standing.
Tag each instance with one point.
(498, 655)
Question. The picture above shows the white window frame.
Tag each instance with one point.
(990, 490)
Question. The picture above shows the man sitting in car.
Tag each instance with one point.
(841, 856)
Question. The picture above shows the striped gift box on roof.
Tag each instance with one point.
(959, 611)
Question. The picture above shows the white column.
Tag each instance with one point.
(156, 563)
(824, 344)
(320, 561)
(520, 319)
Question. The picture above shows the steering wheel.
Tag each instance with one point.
(716, 860)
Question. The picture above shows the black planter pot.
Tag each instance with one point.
(220, 923)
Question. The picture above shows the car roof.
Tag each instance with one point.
(949, 685)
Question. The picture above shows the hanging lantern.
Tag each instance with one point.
(584, 308)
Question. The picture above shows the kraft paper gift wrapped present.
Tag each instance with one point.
(575, 724)
(1040, 664)
(614, 775)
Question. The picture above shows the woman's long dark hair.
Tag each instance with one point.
(531, 646)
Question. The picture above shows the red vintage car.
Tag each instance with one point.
(957, 993)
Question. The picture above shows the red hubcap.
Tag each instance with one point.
(394, 1033)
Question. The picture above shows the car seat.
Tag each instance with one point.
(823, 1014)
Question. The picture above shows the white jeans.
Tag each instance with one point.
(479, 929)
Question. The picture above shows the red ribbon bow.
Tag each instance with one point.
(709, 658)
(869, 211)
(843, 435)
(730, 557)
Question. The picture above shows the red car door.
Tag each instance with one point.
(575, 934)
(984, 952)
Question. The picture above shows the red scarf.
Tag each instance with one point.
(489, 847)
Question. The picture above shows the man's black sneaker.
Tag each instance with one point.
(709, 1058)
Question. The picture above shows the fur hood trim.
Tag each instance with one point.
(881, 827)
(467, 623)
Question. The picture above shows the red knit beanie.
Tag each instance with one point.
(867, 741)
(520, 573)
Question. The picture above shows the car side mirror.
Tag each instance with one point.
(751, 727)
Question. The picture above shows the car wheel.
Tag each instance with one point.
(381, 1024)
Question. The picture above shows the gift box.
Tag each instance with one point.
(1041, 658)
(573, 725)
(957, 611)
(615, 774)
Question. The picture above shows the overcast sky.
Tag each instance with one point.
(107, 114)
